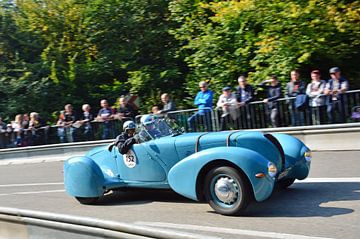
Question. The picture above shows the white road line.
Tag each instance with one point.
(228, 231)
(30, 184)
(329, 180)
(33, 192)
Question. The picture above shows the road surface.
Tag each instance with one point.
(327, 205)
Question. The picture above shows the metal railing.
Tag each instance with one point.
(255, 115)
(97, 130)
(15, 222)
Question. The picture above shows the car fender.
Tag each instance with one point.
(184, 175)
(83, 177)
(294, 151)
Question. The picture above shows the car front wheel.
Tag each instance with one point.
(227, 191)
(285, 183)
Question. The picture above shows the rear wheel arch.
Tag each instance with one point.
(200, 180)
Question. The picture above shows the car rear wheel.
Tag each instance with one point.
(227, 191)
(87, 201)
(285, 183)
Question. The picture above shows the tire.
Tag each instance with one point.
(285, 183)
(87, 201)
(237, 197)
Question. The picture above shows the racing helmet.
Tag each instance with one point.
(129, 125)
(148, 120)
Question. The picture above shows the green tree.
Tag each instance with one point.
(223, 39)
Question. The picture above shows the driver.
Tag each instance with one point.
(149, 123)
(127, 138)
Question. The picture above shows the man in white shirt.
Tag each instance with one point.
(227, 101)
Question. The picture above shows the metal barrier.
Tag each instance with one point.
(25, 224)
(97, 130)
(283, 113)
(255, 115)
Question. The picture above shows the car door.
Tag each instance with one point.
(140, 164)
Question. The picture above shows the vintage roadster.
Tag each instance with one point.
(227, 169)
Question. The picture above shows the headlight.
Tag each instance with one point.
(272, 170)
(307, 156)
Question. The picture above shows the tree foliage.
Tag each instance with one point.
(223, 39)
(54, 52)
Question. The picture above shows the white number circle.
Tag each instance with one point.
(130, 159)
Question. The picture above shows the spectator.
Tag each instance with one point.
(315, 91)
(35, 124)
(16, 125)
(203, 101)
(155, 109)
(168, 104)
(273, 88)
(294, 88)
(227, 101)
(9, 136)
(65, 130)
(26, 135)
(125, 111)
(85, 121)
(106, 116)
(335, 89)
(244, 95)
(26, 120)
(2, 133)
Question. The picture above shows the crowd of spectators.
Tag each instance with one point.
(316, 100)
(70, 126)
(322, 99)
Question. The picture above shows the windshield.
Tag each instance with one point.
(159, 128)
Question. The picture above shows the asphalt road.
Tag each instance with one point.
(325, 206)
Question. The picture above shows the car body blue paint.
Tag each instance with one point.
(183, 176)
(175, 162)
(294, 154)
(83, 177)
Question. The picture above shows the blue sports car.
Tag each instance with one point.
(227, 169)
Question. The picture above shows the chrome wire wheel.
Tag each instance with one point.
(227, 190)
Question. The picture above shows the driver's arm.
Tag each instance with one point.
(124, 144)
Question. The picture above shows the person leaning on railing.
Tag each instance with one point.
(295, 88)
(228, 103)
(244, 95)
(17, 128)
(273, 88)
(35, 127)
(203, 101)
(315, 91)
(65, 130)
(169, 105)
(85, 120)
(105, 116)
(125, 110)
(335, 89)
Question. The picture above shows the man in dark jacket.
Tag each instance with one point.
(244, 95)
(335, 90)
(273, 92)
(294, 88)
(126, 139)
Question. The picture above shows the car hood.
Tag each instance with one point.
(186, 144)
(189, 143)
